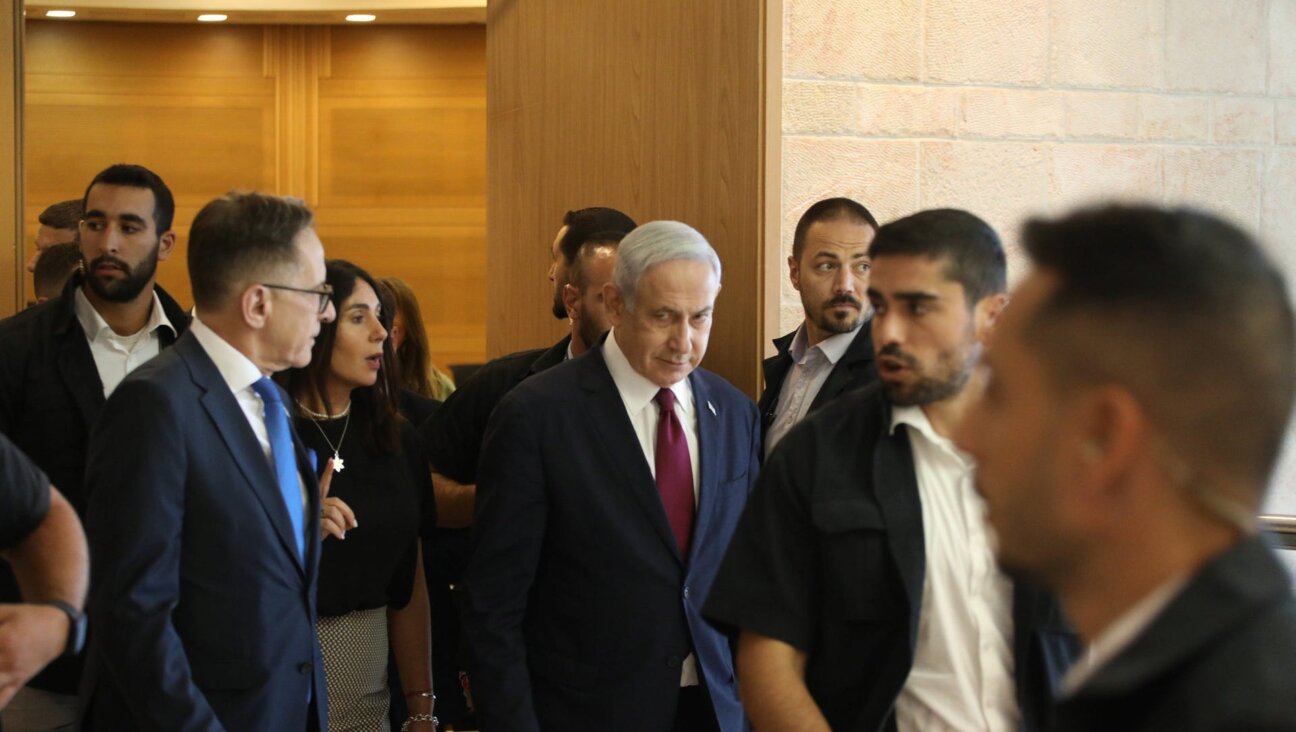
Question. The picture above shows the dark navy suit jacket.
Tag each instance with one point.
(579, 607)
(854, 370)
(203, 615)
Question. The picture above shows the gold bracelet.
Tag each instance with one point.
(420, 718)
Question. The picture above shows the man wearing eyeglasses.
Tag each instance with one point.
(204, 509)
(59, 361)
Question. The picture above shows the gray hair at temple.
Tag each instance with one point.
(654, 243)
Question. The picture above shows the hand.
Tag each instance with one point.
(336, 518)
(30, 637)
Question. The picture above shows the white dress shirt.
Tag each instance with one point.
(240, 374)
(810, 368)
(638, 395)
(115, 356)
(1117, 636)
(962, 676)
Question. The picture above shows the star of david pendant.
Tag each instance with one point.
(338, 466)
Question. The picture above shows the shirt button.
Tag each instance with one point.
(303, 668)
(672, 662)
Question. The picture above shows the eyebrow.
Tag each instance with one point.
(905, 296)
(97, 214)
(358, 306)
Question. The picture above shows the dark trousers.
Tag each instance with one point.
(694, 712)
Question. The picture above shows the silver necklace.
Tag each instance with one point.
(338, 465)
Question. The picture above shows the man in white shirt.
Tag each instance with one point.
(608, 489)
(204, 509)
(831, 352)
(1139, 390)
(60, 360)
(861, 575)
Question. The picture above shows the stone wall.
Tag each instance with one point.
(1014, 109)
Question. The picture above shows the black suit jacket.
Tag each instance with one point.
(203, 616)
(50, 396)
(1220, 657)
(855, 369)
(830, 558)
(579, 607)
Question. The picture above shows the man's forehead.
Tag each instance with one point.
(909, 271)
(131, 199)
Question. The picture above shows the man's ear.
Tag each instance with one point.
(987, 313)
(255, 306)
(794, 273)
(571, 300)
(166, 244)
(1111, 435)
(614, 303)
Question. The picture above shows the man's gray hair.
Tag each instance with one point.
(658, 242)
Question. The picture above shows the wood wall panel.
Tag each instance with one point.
(380, 129)
(11, 157)
(651, 106)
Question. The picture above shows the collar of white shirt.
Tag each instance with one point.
(635, 389)
(834, 346)
(237, 369)
(95, 326)
(1117, 636)
(916, 418)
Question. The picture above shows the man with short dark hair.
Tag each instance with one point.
(589, 564)
(59, 223)
(204, 515)
(831, 352)
(55, 267)
(60, 360)
(590, 270)
(861, 575)
(577, 228)
(1139, 390)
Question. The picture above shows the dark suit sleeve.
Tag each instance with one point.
(768, 580)
(453, 435)
(509, 529)
(13, 363)
(136, 481)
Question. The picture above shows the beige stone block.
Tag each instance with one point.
(1278, 211)
(881, 174)
(1108, 43)
(881, 39)
(1173, 118)
(907, 111)
(999, 113)
(1282, 48)
(1002, 182)
(1101, 115)
(790, 312)
(987, 41)
(1226, 182)
(1088, 174)
(1216, 45)
(1244, 121)
(1285, 122)
(818, 107)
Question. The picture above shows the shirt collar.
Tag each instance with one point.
(833, 347)
(95, 326)
(916, 418)
(236, 369)
(636, 390)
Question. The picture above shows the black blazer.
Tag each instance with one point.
(50, 396)
(855, 369)
(1221, 656)
(579, 608)
(203, 616)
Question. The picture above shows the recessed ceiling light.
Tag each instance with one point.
(212, 18)
(60, 13)
(361, 18)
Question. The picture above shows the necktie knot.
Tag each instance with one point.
(266, 389)
(665, 399)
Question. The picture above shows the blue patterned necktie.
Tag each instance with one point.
(285, 458)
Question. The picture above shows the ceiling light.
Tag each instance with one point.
(212, 18)
(361, 18)
(60, 13)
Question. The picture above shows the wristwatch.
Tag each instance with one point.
(76, 627)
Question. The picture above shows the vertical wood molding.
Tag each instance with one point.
(12, 264)
(772, 191)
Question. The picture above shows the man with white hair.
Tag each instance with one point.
(608, 490)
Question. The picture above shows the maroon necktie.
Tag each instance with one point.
(674, 471)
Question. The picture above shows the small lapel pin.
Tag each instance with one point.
(711, 407)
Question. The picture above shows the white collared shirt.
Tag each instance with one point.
(1117, 636)
(240, 374)
(962, 675)
(638, 395)
(810, 368)
(115, 356)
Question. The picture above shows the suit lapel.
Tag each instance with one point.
(607, 414)
(80, 375)
(896, 487)
(240, 441)
(847, 375)
(708, 430)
